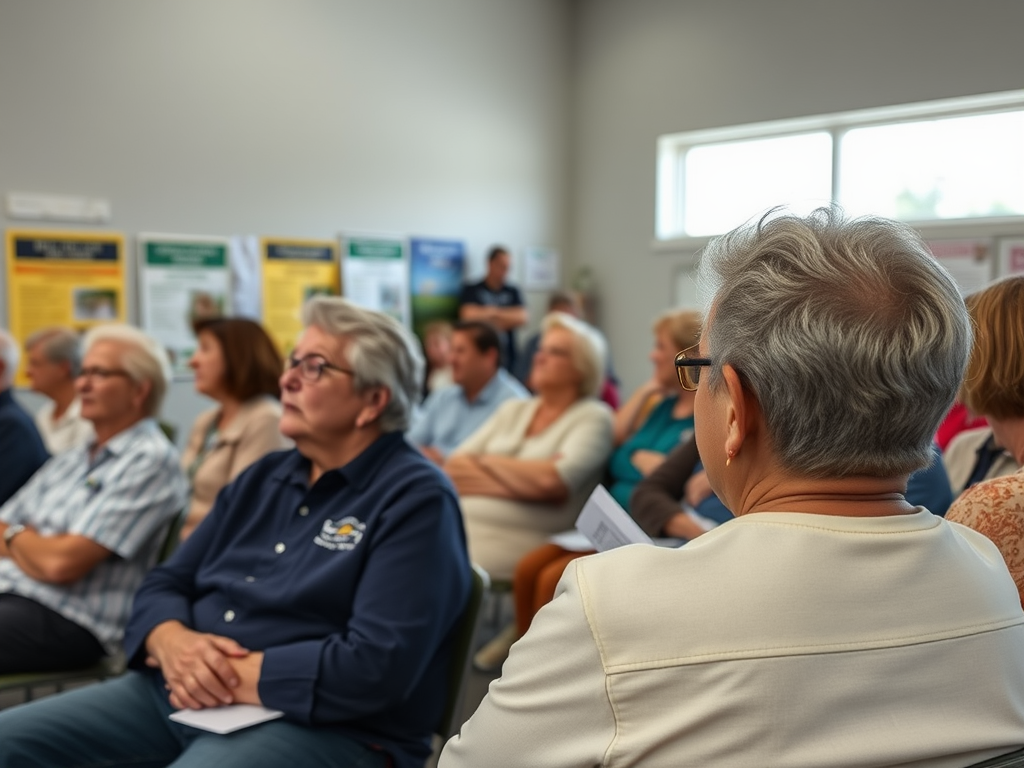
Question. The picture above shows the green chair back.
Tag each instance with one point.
(462, 654)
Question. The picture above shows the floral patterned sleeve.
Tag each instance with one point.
(995, 508)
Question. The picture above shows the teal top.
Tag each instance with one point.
(660, 432)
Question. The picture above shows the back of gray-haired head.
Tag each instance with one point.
(59, 345)
(10, 355)
(381, 351)
(850, 334)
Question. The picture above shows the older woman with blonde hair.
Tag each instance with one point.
(657, 418)
(994, 388)
(831, 623)
(526, 473)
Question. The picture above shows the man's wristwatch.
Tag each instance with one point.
(11, 532)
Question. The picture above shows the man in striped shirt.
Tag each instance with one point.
(79, 536)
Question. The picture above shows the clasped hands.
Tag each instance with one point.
(201, 669)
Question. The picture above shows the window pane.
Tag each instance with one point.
(727, 184)
(935, 169)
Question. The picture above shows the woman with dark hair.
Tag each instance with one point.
(236, 364)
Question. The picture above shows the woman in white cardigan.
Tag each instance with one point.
(526, 473)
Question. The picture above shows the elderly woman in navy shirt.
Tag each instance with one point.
(326, 583)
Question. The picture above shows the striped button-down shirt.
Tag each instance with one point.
(122, 498)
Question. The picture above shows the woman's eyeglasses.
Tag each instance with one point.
(312, 367)
(688, 368)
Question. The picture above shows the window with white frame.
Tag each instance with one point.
(955, 159)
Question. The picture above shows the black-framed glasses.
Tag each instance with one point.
(98, 372)
(688, 368)
(312, 367)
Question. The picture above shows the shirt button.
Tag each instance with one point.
(279, 547)
(303, 511)
(250, 579)
(229, 615)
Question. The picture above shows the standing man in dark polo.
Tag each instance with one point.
(21, 448)
(494, 301)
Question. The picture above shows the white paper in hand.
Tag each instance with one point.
(607, 524)
(232, 717)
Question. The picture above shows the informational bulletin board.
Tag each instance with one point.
(436, 274)
(72, 279)
(293, 271)
(375, 273)
(182, 279)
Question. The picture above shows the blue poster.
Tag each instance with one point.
(436, 269)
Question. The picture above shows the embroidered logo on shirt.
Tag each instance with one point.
(343, 535)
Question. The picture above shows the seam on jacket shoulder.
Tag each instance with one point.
(585, 603)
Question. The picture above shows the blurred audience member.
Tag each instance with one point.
(653, 422)
(558, 301)
(80, 535)
(659, 415)
(52, 361)
(236, 364)
(494, 301)
(994, 388)
(676, 500)
(958, 420)
(453, 413)
(526, 473)
(929, 487)
(973, 456)
(437, 349)
(563, 301)
(22, 451)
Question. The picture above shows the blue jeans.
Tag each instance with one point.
(123, 723)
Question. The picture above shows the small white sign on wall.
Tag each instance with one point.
(969, 262)
(1011, 257)
(540, 268)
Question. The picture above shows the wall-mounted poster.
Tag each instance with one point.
(1011, 257)
(74, 279)
(540, 268)
(181, 279)
(375, 273)
(968, 261)
(294, 270)
(436, 269)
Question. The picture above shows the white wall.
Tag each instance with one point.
(292, 117)
(647, 67)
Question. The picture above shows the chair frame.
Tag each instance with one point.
(462, 655)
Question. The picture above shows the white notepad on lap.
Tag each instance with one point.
(231, 717)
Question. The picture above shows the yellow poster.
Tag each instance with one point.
(74, 279)
(294, 270)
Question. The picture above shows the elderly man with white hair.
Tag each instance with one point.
(53, 358)
(76, 540)
(325, 583)
(22, 451)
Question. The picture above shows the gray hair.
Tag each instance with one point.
(143, 359)
(588, 350)
(10, 355)
(381, 351)
(59, 345)
(853, 338)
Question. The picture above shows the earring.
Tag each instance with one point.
(728, 458)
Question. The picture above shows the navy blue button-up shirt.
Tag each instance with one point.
(351, 587)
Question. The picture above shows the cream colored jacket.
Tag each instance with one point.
(251, 435)
(777, 639)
